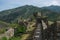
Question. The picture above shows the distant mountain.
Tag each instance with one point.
(28, 10)
(53, 8)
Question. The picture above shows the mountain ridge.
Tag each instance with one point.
(53, 8)
(26, 11)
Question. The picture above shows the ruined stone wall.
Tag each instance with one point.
(8, 33)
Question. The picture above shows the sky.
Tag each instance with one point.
(9, 4)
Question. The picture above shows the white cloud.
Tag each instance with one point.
(54, 2)
(6, 4)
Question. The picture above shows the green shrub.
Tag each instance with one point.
(2, 30)
(15, 38)
(3, 38)
(20, 30)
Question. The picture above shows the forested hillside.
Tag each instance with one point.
(27, 11)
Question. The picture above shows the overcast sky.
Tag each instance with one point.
(8, 4)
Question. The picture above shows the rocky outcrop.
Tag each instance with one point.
(8, 34)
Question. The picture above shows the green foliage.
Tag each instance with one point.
(3, 24)
(15, 38)
(3, 38)
(2, 30)
(20, 29)
(13, 25)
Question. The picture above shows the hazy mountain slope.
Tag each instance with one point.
(53, 8)
(26, 11)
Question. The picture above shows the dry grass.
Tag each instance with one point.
(25, 36)
(31, 28)
(50, 22)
